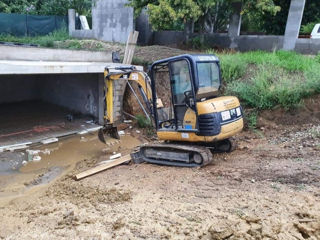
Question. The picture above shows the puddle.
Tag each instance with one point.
(11, 162)
(19, 173)
(46, 177)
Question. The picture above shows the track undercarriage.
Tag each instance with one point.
(181, 155)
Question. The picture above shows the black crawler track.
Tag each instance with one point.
(141, 155)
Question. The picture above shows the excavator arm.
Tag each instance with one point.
(129, 74)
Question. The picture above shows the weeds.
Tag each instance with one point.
(43, 41)
(143, 122)
(252, 119)
(232, 67)
(265, 80)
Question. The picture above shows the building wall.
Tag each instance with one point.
(112, 21)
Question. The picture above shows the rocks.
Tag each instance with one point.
(221, 231)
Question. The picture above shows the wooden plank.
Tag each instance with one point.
(130, 47)
(103, 167)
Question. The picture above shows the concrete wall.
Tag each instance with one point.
(241, 43)
(76, 92)
(112, 21)
(18, 88)
(168, 38)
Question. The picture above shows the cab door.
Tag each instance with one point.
(182, 91)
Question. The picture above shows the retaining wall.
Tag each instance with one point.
(241, 43)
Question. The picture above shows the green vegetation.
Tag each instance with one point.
(142, 121)
(204, 15)
(307, 28)
(252, 119)
(43, 41)
(265, 80)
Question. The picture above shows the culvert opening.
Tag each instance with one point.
(37, 107)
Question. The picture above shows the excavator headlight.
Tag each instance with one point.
(238, 111)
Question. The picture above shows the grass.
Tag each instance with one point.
(43, 41)
(264, 80)
(252, 119)
(317, 58)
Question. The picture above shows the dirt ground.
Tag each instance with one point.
(268, 188)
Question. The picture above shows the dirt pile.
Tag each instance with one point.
(68, 189)
(308, 112)
(153, 53)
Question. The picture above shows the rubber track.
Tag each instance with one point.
(203, 151)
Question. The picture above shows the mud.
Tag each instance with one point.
(268, 188)
(57, 160)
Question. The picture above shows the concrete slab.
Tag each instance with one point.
(23, 53)
(47, 67)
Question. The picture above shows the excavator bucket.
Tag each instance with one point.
(107, 132)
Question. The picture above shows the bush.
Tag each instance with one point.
(143, 122)
(307, 28)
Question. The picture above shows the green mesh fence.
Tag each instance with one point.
(30, 25)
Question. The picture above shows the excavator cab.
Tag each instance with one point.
(192, 112)
(191, 79)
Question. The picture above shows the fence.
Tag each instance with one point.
(30, 25)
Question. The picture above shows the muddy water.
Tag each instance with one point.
(19, 175)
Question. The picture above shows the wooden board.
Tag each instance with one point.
(130, 47)
(103, 167)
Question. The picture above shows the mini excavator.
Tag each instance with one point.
(193, 123)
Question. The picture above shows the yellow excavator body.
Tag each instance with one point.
(212, 106)
(196, 122)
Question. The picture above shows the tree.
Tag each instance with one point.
(271, 23)
(207, 13)
(163, 12)
(60, 7)
(45, 7)
(18, 6)
(216, 18)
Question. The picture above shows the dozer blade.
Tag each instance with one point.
(108, 131)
